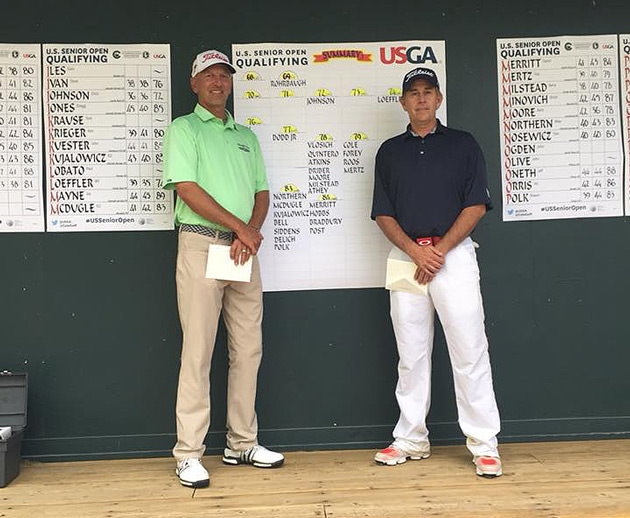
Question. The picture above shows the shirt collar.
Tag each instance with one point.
(206, 116)
(439, 129)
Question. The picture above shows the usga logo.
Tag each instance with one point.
(415, 55)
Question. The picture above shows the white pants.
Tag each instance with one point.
(455, 294)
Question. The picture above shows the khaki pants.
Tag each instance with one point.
(200, 301)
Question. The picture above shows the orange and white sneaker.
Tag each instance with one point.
(488, 466)
(395, 454)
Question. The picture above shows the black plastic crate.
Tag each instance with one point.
(13, 396)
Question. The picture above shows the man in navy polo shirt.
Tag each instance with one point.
(430, 190)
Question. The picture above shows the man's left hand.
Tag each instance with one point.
(239, 253)
(423, 276)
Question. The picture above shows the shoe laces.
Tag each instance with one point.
(188, 463)
(251, 451)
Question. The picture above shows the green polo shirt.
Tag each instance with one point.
(223, 159)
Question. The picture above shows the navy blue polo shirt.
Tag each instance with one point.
(425, 182)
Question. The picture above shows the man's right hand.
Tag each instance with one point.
(429, 261)
(250, 237)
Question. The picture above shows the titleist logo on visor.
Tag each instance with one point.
(420, 73)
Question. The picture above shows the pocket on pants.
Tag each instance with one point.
(462, 261)
(191, 242)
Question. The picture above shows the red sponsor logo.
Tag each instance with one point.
(327, 55)
(213, 55)
(416, 55)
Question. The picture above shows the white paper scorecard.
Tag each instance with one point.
(221, 267)
(401, 272)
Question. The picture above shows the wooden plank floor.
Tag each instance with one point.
(563, 479)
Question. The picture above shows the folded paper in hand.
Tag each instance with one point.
(221, 267)
(400, 274)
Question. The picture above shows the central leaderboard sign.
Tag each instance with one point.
(320, 112)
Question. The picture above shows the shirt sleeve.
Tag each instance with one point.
(476, 189)
(261, 172)
(381, 202)
(180, 155)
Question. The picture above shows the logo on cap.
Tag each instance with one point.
(213, 55)
(207, 59)
(420, 73)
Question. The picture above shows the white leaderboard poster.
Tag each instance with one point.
(21, 195)
(106, 108)
(320, 112)
(624, 58)
(560, 127)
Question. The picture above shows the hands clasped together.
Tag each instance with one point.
(429, 261)
(247, 242)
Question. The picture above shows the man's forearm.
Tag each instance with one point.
(261, 206)
(461, 228)
(207, 207)
(392, 230)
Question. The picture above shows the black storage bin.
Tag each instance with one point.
(13, 394)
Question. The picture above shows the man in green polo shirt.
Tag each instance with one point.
(216, 167)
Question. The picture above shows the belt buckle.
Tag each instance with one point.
(425, 241)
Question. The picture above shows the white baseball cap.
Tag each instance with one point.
(207, 59)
